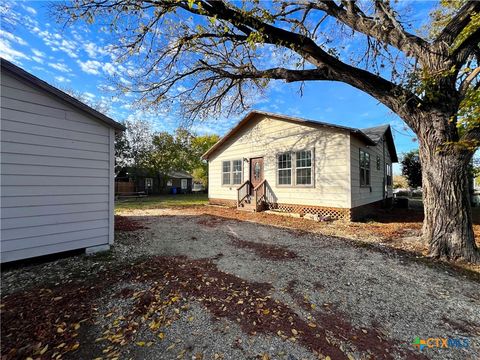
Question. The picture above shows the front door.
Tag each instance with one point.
(256, 171)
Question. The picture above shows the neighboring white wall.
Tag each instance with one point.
(56, 174)
(266, 137)
(375, 192)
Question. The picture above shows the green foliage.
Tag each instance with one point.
(180, 151)
(412, 169)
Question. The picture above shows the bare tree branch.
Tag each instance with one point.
(393, 34)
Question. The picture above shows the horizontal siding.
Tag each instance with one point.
(62, 143)
(266, 137)
(53, 161)
(40, 220)
(15, 180)
(49, 131)
(53, 122)
(58, 247)
(46, 210)
(366, 195)
(39, 170)
(51, 229)
(55, 174)
(47, 200)
(52, 190)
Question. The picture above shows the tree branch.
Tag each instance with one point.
(468, 80)
(456, 25)
(394, 35)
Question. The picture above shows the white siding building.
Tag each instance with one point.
(57, 170)
(302, 166)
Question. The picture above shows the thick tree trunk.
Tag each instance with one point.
(447, 227)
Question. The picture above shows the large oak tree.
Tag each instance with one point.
(215, 55)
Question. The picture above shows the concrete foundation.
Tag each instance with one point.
(97, 249)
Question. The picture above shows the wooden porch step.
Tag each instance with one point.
(246, 207)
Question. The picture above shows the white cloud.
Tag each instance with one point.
(38, 53)
(60, 67)
(56, 43)
(9, 36)
(90, 66)
(30, 10)
(37, 59)
(9, 53)
(109, 69)
(89, 95)
(62, 79)
(94, 51)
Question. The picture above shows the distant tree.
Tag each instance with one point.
(122, 151)
(133, 146)
(412, 169)
(181, 151)
(400, 182)
(164, 156)
(199, 167)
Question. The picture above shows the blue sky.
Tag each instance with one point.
(79, 58)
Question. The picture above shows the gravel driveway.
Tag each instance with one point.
(203, 287)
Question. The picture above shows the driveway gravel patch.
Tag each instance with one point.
(192, 286)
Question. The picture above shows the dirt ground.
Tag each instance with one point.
(212, 283)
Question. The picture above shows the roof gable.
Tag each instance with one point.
(377, 133)
(253, 114)
(26, 76)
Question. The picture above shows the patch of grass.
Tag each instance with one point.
(162, 201)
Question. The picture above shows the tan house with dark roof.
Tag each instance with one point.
(280, 162)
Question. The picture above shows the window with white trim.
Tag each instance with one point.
(232, 172)
(303, 167)
(226, 173)
(284, 166)
(364, 168)
(295, 168)
(236, 172)
(389, 175)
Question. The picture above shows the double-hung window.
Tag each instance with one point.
(364, 168)
(389, 175)
(295, 168)
(303, 169)
(232, 172)
(284, 162)
(236, 172)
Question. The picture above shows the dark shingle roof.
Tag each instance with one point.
(377, 133)
(179, 174)
(26, 76)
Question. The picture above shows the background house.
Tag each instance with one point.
(57, 170)
(130, 180)
(303, 166)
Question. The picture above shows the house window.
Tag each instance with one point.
(303, 169)
(378, 162)
(184, 184)
(237, 171)
(232, 172)
(284, 162)
(364, 168)
(389, 175)
(148, 183)
(226, 173)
